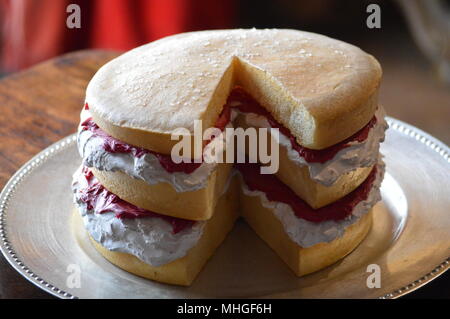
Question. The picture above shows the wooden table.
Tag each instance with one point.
(40, 106)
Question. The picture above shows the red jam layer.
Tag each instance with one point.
(113, 145)
(249, 105)
(277, 191)
(101, 200)
(246, 104)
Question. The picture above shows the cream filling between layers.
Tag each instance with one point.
(146, 167)
(306, 233)
(358, 154)
(149, 239)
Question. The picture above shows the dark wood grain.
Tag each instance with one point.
(38, 107)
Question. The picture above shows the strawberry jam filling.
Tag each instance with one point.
(113, 145)
(246, 104)
(277, 191)
(241, 100)
(100, 200)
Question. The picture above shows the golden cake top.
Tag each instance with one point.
(322, 89)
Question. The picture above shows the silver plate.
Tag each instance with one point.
(409, 240)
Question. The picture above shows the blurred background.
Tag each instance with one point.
(412, 43)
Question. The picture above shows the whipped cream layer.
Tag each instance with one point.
(146, 167)
(151, 239)
(354, 156)
(306, 233)
(149, 169)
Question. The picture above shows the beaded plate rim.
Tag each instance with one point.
(10, 255)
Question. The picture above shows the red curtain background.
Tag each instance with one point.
(35, 30)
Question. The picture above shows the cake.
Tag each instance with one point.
(160, 217)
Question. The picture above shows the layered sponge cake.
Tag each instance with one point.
(161, 216)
